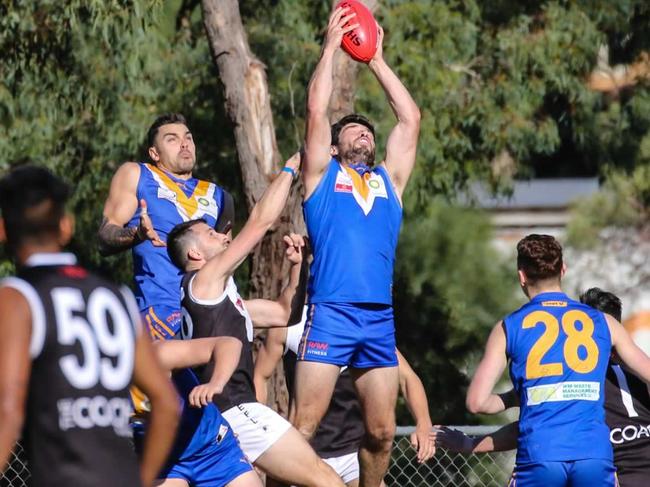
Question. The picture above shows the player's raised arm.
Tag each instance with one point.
(416, 400)
(480, 398)
(150, 378)
(268, 357)
(269, 314)
(629, 352)
(402, 142)
(209, 280)
(15, 366)
(317, 134)
(120, 206)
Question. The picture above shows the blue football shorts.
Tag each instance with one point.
(356, 334)
(163, 322)
(215, 466)
(577, 473)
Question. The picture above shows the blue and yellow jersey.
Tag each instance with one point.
(170, 201)
(559, 350)
(353, 221)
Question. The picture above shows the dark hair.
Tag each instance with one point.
(348, 119)
(177, 242)
(603, 301)
(540, 257)
(165, 119)
(32, 200)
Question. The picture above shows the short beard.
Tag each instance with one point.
(359, 155)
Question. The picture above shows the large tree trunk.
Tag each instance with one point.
(249, 109)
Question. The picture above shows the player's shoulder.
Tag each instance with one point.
(129, 168)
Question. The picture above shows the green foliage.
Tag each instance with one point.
(624, 201)
(81, 83)
(451, 287)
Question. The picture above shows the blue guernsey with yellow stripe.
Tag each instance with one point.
(353, 220)
(559, 350)
(170, 201)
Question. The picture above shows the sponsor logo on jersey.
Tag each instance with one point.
(563, 391)
(630, 432)
(95, 412)
(555, 304)
(167, 194)
(73, 271)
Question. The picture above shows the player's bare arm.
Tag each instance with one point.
(401, 145)
(268, 357)
(225, 356)
(630, 353)
(150, 378)
(224, 352)
(120, 206)
(318, 136)
(210, 280)
(503, 439)
(15, 366)
(416, 399)
(268, 314)
(480, 398)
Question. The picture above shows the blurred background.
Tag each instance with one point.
(536, 118)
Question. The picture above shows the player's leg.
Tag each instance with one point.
(269, 441)
(377, 390)
(290, 459)
(585, 473)
(313, 388)
(249, 479)
(327, 344)
(376, 379)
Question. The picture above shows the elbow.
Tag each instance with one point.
(473, 404)
(413, 118)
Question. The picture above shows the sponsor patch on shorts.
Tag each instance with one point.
(564, 391)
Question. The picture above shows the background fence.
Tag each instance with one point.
(444, 470)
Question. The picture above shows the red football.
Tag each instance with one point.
(361, 42)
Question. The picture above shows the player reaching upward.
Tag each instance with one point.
(353, 213)
(558, 350)
(212, 307)
(71, 345)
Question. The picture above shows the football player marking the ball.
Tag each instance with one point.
(212, 307)
(72, 342)
(353, 212)
(558, 351)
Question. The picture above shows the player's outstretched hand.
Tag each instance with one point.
(295, 244)
(145, 228)
(379, 54)
(422, 440)
(452, 439)
(202, 395)
(337, 28)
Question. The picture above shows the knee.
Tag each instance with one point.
(305, 426)
(380, 437)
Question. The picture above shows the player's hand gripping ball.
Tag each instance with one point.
(360, 43)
